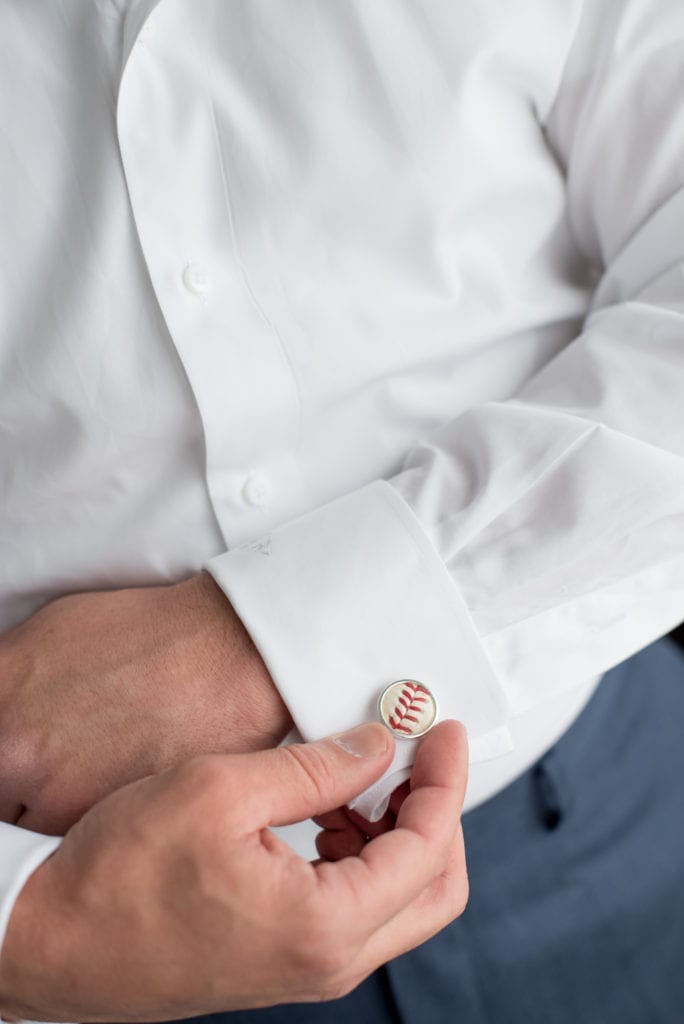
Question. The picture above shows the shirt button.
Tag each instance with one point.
(196, 279)
(257, 490)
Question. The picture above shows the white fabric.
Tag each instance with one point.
(375, 309)
(21, 852)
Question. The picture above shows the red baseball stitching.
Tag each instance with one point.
(412, 698)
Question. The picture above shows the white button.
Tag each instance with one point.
(197, 279)
(408, 708)
(257, 489)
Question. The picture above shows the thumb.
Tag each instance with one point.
(293, 783)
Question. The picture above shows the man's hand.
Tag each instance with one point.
(98, 690)
(172, 898)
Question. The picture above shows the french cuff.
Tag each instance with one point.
(349, 598)
(21, 853)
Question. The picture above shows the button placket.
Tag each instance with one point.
(228, 345)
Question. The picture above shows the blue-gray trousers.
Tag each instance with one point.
(576, 913)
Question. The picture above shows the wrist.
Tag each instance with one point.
(31, 958)
(262, 717)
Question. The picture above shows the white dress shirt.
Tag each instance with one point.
(374, 309)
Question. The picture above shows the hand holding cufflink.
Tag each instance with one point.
(409, 710)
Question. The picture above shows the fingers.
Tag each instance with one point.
(439, 904)
(339, 818)
(389, 818)
(293, 783)
(442, 762)
(334, 845)
(393, 869)
(372, 828)
(346, 833)
(398, 796)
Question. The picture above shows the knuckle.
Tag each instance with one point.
(455, 894)
(322, 950)
(326, 960)
(461, 896)
(337, 989)
(21, 753)
(313, 770)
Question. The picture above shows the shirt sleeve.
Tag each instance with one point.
(21, 853)
(531, 543)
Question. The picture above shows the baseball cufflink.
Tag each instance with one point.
(408, 708)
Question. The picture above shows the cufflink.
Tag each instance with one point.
(408, 708)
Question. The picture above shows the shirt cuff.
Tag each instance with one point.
(21, 853)
(349, 598)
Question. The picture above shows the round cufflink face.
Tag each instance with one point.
(408, 708)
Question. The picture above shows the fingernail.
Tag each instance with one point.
(370, 740)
